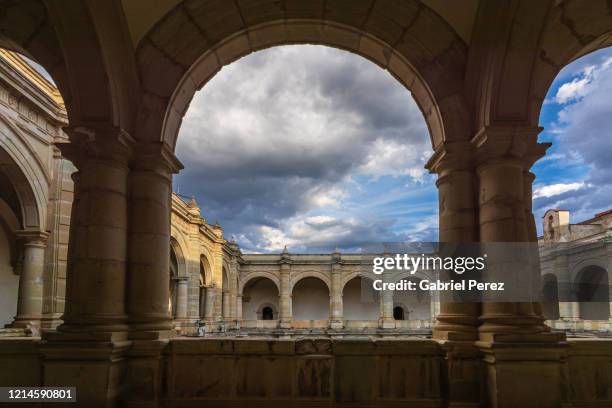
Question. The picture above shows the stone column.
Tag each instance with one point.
(182, 295)
(335, 305)
(209, 305)
(30, 300)
(386, 320)
(150, 184)
(454, 164)
(513, 340)
(506, 217)
(92, 342)
(285, 315)
(238, 311)
(226, 305)
(96, 273)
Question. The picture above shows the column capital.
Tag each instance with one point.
(509, 142)
(98, 141)
(155, 156)
(451, 156)
(33, 237)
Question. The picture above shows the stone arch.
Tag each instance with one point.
(180, 257)
(550, 296)
(206, 268)
(356, 304)
(396, 37)
(23, 168)
(592, 289)
(322, 276)
(261, 311)
(310, 299)
(259, 292)
(78, 44)
(259, 274)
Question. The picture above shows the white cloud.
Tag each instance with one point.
(556, 189)
(572, 90)
(391, 158)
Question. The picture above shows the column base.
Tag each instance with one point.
(336, 324)
(32, 326)
(526, 375)
(285, 324)
(386, 323)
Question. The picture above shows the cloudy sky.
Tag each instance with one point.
(309, 147)
(577, 118)
(317, 148)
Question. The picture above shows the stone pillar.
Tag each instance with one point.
(226, 305)
(96, 273)
(285, 315)
(209, 305)
(386, 320)
(335, 304)
(30, 300)
(150, 184)
(182, 297)
(502, 219)
(454, 164)
(513, 339)
(238, 311)
(89, 350)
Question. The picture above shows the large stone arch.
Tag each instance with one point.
(78, 43)
(194, 40)
(21, 165)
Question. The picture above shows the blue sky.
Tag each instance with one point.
(576, 117)
(317, 148)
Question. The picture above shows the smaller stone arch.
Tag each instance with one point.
(258, 274)
(258, 293)
(262, 312)
(310, 274)
(180, 257)
(310, 299)
(206, 271)
(357, 305)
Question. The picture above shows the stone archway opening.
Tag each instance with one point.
(361, 303)
(310, 303)
(593, 293)
(259, 301)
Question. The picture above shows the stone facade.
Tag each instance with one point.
(35, 197)
(576, 266)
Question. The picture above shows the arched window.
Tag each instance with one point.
(398, 313)
(267, 313)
